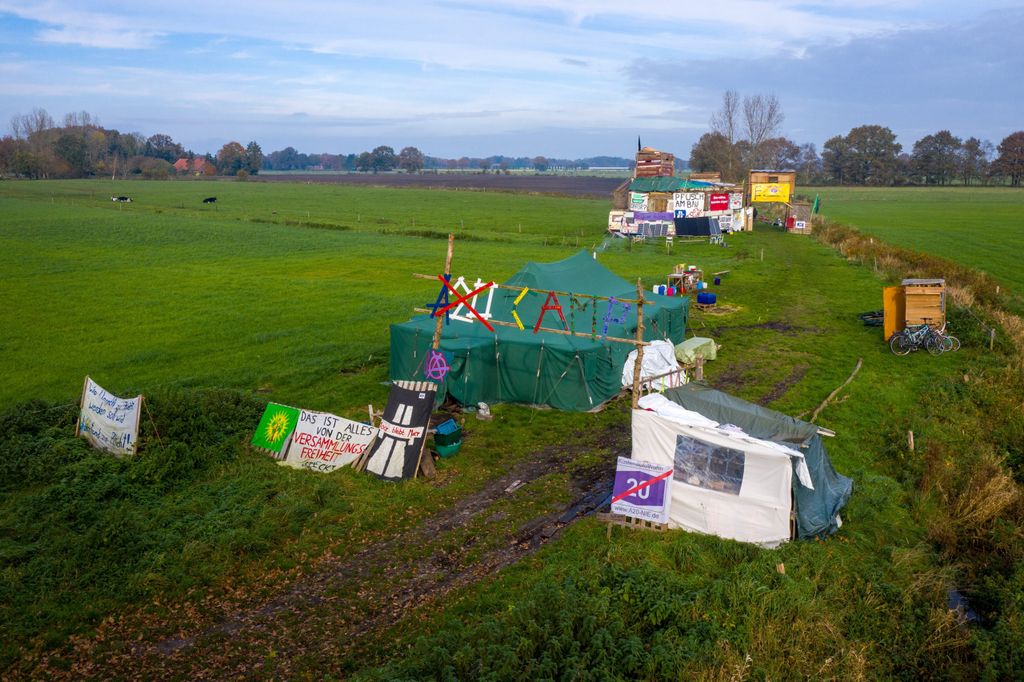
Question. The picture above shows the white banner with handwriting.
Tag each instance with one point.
(108, 422)
(324, 442)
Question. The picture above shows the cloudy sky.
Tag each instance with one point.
(562, 78)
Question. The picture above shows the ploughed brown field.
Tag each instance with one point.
(569, 185)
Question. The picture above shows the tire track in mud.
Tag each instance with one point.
(356, 598)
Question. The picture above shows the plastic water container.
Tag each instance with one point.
(718, 280)
(706, 298)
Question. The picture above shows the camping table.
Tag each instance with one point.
(685, 280)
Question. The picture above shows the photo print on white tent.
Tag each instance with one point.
(708, 466)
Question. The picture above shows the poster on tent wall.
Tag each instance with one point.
(109, 423)
(735, 201)
(690, 202)
(725, 222)
(637, 201)
(276, 425)
(324, 442)
(769, 192)
(394, 454)
(641, 490)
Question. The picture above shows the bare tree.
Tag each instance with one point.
(24, 125)
(725, 122)
(726, 119)
(762, 117)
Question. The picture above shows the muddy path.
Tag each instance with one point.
(325, 622)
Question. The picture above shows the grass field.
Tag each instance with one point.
(982, 227)
(285, 292)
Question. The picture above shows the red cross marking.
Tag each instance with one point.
(464, 300)
(650, 481)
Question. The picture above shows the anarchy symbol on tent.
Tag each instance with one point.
(460, 285)
(437, 366)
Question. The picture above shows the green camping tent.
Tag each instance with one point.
(575, 373)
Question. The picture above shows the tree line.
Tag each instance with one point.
(411, 160)
(40, 147)
(744, 135)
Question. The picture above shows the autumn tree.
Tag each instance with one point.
(231, 158)
(410, 160)
(1010, 161)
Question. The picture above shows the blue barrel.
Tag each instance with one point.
(718, 280)
(706, 298)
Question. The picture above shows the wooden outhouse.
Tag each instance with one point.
(915, 301)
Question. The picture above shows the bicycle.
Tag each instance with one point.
(914, 337)
(949, 342)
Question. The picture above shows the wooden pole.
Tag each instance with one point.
(509, 287)
(447, 271)
(501, 323)
(81, 402)
(425, 465)
(638, 364)
(910, 440)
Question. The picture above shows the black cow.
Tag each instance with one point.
(127, 200)
(210, 200)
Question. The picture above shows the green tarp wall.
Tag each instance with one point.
(816, 509)
(573, 373)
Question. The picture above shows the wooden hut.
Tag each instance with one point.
(772, 185)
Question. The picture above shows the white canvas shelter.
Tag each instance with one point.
(726, 482)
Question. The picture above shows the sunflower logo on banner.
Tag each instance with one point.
(275, 426)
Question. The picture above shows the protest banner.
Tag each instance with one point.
(641, 490)
(690, 202)
(769, 192)
(324, 442)
(718, 202)
(275, 426)
(109, 423)
(394, 453)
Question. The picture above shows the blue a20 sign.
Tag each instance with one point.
(642, 490)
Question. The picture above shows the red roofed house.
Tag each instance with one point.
(198, 166)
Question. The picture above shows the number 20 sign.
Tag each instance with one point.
(642, 490)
